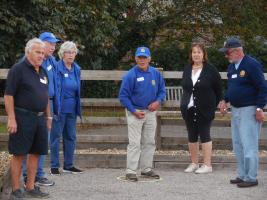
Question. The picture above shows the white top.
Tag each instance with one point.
(194, 78)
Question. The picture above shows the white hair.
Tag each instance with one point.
(67, 46)
(31, 43)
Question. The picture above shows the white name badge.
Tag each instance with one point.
(44, 81)
(49, 67)
(66, 75)
(140, 79)
(234, 75)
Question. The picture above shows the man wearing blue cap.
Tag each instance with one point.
(49, 65)
(247, 94)
(141, 93)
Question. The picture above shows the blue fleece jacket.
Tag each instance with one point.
(58, 98)
(246, 85)
(141, 88)
(50, 66)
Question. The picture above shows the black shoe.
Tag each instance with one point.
(18, 194)
(150, 174)
(72, 170)
(54, 171)
(36, 193)
(131, 177)
(44, 182)
(236, 181)
(247, 184)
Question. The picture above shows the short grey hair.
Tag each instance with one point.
(31, 43)
(67, 46)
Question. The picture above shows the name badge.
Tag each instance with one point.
(66, 75)
(49, 68)
(44, 81)
(234, 75)
(140, 79)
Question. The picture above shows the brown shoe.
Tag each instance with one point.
(131, 177)
(236, 181)
(247, 184)
(150, 174)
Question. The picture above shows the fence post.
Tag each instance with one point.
(158, 133)
(158, 129)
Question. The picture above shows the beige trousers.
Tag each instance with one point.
(141, 147)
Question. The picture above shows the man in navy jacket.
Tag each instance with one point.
(247, 94)
(141, 93)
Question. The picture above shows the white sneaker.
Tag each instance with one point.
(191, 168)
(204, 169)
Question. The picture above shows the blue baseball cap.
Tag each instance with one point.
(232, 42)
(142, 51)
(49, 37)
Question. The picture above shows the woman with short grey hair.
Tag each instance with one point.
(66, 109)
(66, 47)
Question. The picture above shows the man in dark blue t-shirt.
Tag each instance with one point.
(247, 94)
(26, 103)
(49, 65)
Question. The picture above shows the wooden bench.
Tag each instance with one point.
(173, 96)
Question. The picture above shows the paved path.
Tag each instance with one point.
(101, 184)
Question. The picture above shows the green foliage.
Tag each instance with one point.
(108, 31)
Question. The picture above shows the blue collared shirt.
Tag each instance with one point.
(140, 88)
(237, 64)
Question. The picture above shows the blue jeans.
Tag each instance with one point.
(40, 169)
(245, 138)
(65, 126)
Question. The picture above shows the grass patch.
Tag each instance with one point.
(87, 113)
(3, 128)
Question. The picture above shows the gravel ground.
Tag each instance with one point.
(262, 153)
(102, 184)
(4, 162)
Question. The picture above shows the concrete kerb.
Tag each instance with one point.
(163, 161)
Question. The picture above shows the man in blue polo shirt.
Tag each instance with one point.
(26, 103)
(49, 65)
(141, 93)
(247, 94)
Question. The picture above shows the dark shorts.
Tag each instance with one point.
(197, 126)
(31, 136)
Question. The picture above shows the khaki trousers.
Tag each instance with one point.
(141, 147)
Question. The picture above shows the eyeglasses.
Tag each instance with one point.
(70, 52)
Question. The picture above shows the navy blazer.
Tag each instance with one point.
(207, 92)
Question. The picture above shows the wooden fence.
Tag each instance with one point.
(116, 75)
(101, 75)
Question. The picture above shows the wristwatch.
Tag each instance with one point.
(258, 109)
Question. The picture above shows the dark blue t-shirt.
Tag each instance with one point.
(28, 88)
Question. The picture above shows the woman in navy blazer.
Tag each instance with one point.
(202, 91)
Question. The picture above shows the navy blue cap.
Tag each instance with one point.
(230, 43)
(142, 51)
(49, 37)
